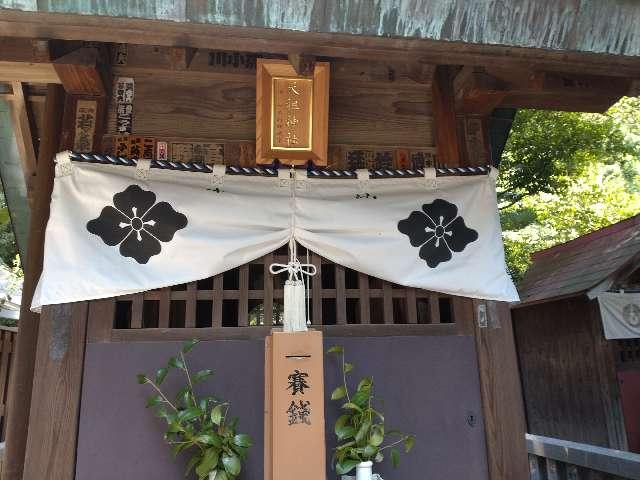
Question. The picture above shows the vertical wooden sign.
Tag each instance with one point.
(292, 113)
(294, 407)
(85, 125)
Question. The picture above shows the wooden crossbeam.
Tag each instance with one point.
(28, 72)
(480, 90)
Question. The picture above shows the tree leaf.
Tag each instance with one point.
(341, 422)
(377, 436)
(188, 346)
(351, 406)
(409, 442)
(379, 457)
(176, 449)
(361, 398)
(369, 452)
(339, 393)
(336, 349)
(231, 464)
(241, 451)
(216, 414)
(344, 467)
(208, 463)
(142, 378)
(176, 362)
(340, 448)
(362, 431)
(345, 432)
(201, 375)
(189, 414)
(192, 463)
(395, 458)
(222, 475)
(379, 414)
(161, 374)
(233, 423)
(242, 440)
(365, 384)
(348, 367)
(4, 216)
(154, 400)
(210, 438)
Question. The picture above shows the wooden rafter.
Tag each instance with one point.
(24, 137)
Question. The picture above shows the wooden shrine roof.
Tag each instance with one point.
(587, 26)
(580, 264)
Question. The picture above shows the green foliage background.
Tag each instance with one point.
(565, 174)
(8, 247)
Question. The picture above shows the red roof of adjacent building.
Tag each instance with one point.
(576, 266)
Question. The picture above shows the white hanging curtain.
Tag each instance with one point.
(115, 230)
(620, 314)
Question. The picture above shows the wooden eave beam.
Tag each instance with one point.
(578, 84)
(421, 72)
(479, 90)
(261, 40)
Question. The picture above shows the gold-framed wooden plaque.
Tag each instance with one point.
(292, 113)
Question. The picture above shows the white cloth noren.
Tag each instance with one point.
(620, 314)
(110, 234)
(295, 316)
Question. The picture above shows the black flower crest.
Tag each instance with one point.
(137, 223)
(438, 230)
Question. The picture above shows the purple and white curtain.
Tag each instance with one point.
(117, 230)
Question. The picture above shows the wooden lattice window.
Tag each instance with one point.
(628, 351)
(250, 296)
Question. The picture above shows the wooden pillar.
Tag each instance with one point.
(444, 118)
(501, 394)
(57, 386)
(608, 379)
(59, 357)
(19, 398)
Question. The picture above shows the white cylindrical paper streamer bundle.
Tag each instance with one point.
(294, 306)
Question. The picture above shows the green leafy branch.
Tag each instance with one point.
(198, 425)
(360, 429)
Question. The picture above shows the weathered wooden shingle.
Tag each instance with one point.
(578, 265)
(602, 26)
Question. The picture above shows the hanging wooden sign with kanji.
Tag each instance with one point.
(294, 407)
(292, 113)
